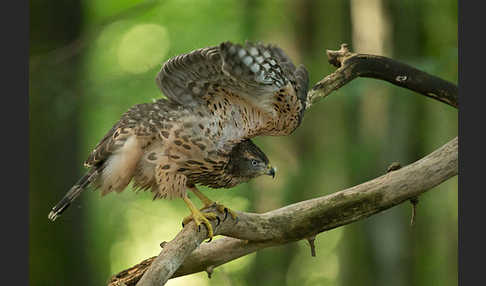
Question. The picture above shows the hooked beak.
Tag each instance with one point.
(271, 171)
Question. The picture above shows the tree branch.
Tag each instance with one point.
(351, 65)
(184, 254)
(294, 222)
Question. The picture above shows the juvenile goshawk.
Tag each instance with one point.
(217, 99)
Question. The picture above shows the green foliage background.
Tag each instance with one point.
(92, 60)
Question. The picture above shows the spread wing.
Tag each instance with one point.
(261, 75)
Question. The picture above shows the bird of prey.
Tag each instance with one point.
(218, 98)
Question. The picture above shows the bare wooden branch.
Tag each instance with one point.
(185, 254)
(130, 276)
(351, 65)
(297, 221)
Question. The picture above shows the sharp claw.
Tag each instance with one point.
(225, 213)
(182, 224)
(219, 220)
(199, 228)
(209, 240)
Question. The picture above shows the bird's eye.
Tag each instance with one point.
(254, 162)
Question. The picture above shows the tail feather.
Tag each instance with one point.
(73, 193)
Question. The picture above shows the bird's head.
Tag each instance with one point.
(247, 161)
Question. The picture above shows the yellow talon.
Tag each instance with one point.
(222, 209)
(209, 203)
(200, 217)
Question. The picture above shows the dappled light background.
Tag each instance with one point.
(92, 60)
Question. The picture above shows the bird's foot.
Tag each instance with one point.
(222, 209)
(202, 218)
(208, 203)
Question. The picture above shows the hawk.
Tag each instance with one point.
(218, 98)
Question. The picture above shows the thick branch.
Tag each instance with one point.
(351, 65)
(297, 221)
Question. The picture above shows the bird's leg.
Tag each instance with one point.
(208, 203)
(199, 217)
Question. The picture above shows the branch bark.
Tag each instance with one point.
(351, 65)
(184, 254)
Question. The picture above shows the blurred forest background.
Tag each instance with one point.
(91, 60)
